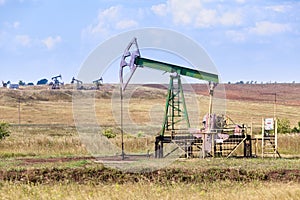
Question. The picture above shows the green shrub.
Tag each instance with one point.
(109, 133)
(284, 126)
(296, 129)
(140, 134)
(4, 130)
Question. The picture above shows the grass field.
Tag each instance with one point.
(222, 190)
(184, 179)
(44, 158)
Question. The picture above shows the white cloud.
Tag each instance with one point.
(2, 2)
(160, 9)
(269, 28)
(16, 24)
(279, 8)
(3, 36)
(206, 18)
(184, 12)
(107, 20)
(236, 36)
(23, 40)
(50, 42)
(103, 21)
(110, 13)
(194, 13)
(124, 24)
(231, 18)
(240, 1)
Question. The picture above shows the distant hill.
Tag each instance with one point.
(286, 94)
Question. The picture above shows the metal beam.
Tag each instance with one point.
(171, 68)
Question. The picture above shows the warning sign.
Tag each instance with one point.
(269, 124)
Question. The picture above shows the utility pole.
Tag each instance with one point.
(19, 111)
(122, 131)
(274, 104)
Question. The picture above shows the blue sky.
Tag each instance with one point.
(246, 39)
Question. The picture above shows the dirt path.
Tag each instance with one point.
(28, 161)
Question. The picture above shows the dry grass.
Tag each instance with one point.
(256, 165)
(171, 189)
(135, 144)
(218, 190)
(247, 112)
(55, 107)
(289, 144)
(42, 141)
(46, 141)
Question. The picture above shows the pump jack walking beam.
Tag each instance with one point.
(184, 71)
(137, 61)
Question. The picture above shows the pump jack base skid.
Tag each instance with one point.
(185, 142)
(192, 146)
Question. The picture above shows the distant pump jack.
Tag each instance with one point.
(56, 83)
(79, 83)
(98, 83)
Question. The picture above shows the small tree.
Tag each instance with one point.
(42, 82)
(21, 83)
(284, 126)
(296, 129)
(4, 130)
